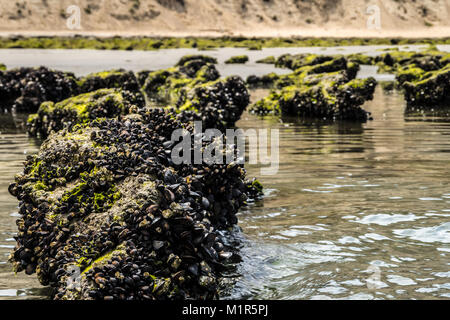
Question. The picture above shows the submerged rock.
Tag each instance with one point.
(103, 103)
(106, 214)
(24, 89)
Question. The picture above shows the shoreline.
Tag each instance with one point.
(334, 33)
(129, 42)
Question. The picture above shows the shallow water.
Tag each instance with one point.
(82, 62)
(355, 211)
(14, 147)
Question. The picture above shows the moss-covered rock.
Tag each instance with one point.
(168, 85)
(197, 57)
(103, 103)
(361, 59)
(296, 61)
(267, 60)
(119, 78)
(265, 81)
(194, 91)
(326, 90)
(105, 214)
(237, 60)
(423, 76)
(429, 90)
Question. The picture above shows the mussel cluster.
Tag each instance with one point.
(102, 103)
(321, 87)
(431, 90)
(167, 86)
(191, 89)
(106, 214)
(424, 77)
(24, 89)
(120, 78)
(219, 104)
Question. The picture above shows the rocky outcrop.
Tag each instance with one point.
(169, 85)
(218, 104)
(103, 103)
(24, 89)
(106, 214)
(429, 89)
(423, 76)
(237, 60)
(321, 87)
(120, 78)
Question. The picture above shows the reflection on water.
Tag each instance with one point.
(356, 211)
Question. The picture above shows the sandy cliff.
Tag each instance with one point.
(216, 17)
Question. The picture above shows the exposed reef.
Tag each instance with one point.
(423, 76)
(321, 87)
(237, 60)
(109, 79)
(267, 60)
(103, 103)
(204, 43)
(167, 86)
(106, 214)
(194, 91)
(24, 89)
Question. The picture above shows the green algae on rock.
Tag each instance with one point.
(423, 76)
(196, 57)
(119, 78)
(430, 90)
(156, 43)
(103, 103)
(267, 60)
(237, 60)
(104, 198)
(321, 87)
(194, 91)
(168, 85)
